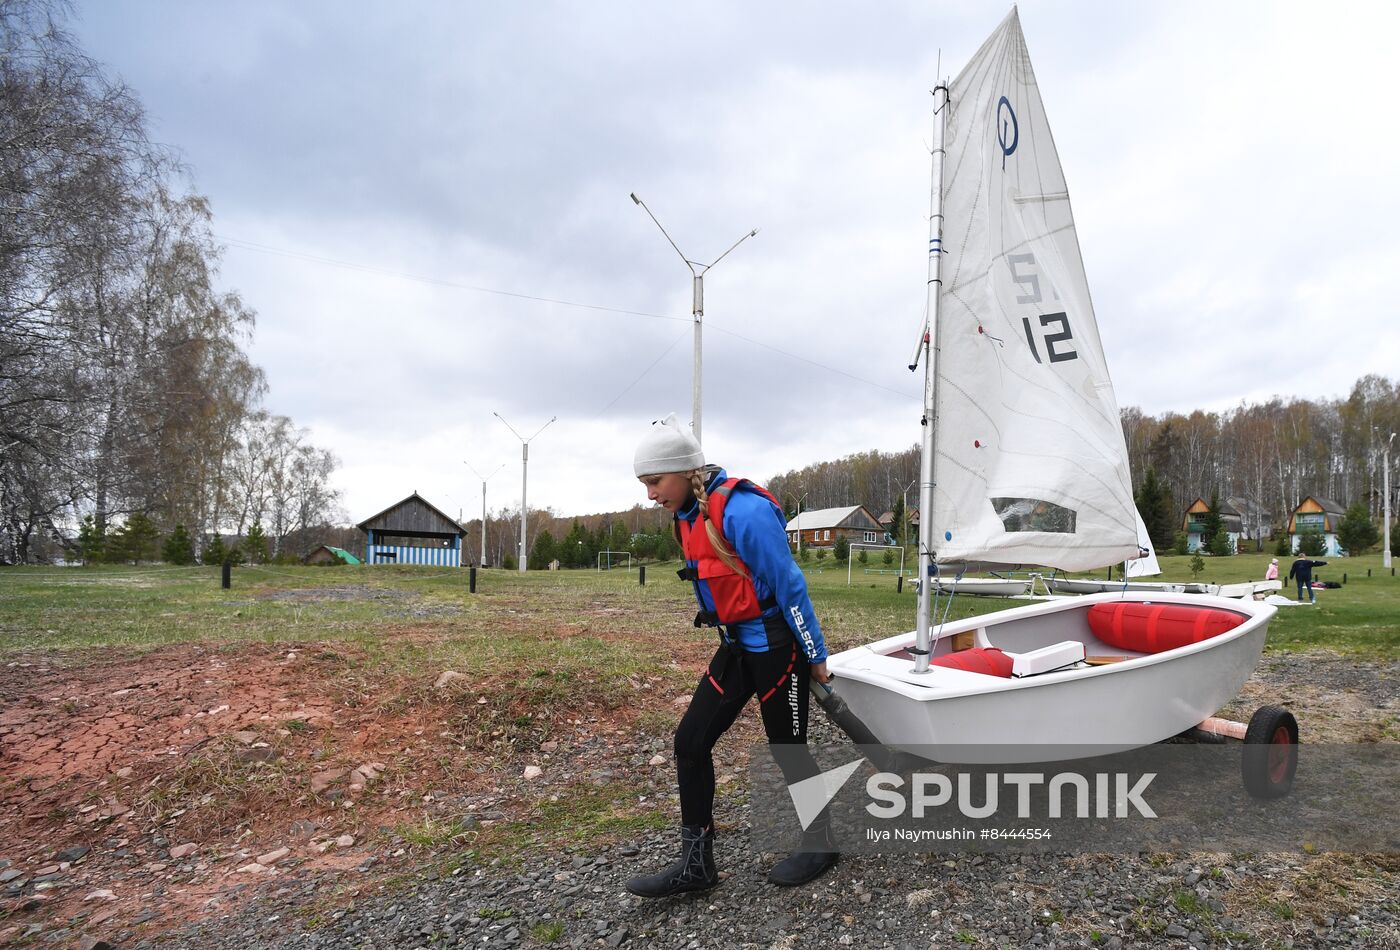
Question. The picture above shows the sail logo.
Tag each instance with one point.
(1008, 129)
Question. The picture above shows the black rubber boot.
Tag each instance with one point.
(693, 871)
(815, 855)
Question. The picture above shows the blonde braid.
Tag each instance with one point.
(717, 541)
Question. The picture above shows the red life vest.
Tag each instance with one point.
(734, 595)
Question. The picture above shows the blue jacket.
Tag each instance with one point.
(754, 526)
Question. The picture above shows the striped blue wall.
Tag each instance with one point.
(437, 557)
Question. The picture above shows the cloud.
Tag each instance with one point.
(1228, 170)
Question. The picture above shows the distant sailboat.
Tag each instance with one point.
(1144, 564)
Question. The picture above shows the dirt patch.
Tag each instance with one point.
(86, 723)
(316, 595)
(1336, 699)
(144, 790)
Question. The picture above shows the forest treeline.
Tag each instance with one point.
(125, 388)
(1274, 454)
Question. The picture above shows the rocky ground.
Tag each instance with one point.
(257, 796)
(992, 901)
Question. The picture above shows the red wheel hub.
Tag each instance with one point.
(1280, 754)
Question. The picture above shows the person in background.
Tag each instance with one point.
(734, 536)
(1302, 569)
(1272, 573)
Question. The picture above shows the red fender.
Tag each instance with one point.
(1156, 628)
(988, 660)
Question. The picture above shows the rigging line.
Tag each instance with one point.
(803, 359)
(634, 382)
(370, 269)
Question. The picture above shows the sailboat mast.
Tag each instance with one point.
(923, 624)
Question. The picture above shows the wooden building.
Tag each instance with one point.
(412, 531)
(1256, 520)
(325, 554)
(892, 530)
(821, 528)
(1194, 524)
(1316, 514)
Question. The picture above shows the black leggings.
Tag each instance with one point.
(780, 679)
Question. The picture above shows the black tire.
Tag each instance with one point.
(1270, 758)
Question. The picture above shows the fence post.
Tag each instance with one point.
(1344, 579)
(642, 574)
(471, 579)
(899, 585)
(226, 575)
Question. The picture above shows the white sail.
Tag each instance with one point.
(1145, 565)
(1030, 465)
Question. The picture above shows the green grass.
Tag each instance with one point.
(566, 631)
(546, 931)
(1362, 618)
(1188, 903)
(433, 833)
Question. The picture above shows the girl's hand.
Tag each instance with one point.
(819, 672)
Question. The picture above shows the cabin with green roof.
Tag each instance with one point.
(325, 554)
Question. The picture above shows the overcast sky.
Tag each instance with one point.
(375, 168)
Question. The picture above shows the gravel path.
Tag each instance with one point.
(896, 901)
(993, 901)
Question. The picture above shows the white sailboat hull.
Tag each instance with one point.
(985, 586)
(1085, 585)
(1081, 585)
(956, 716)
(1249, 589)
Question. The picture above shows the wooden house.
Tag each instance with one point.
(412, 531)
(822, 527)
(1316, 514)
(892, 530)
(1257, 521)
(1194, 524)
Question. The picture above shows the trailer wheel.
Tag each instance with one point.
(1270, 757)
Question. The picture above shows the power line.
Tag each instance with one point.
(439, 282)
(803, 359)
(634, 382)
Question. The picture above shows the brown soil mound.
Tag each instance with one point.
(140, 790)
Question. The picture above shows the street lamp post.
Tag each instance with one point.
(697, 307)
(524, 476)
(904, 528)
(1385, 554)
(484, 480)
(799, 519)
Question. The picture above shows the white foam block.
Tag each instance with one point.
(1053, 657)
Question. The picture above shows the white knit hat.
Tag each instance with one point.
(668, 447)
